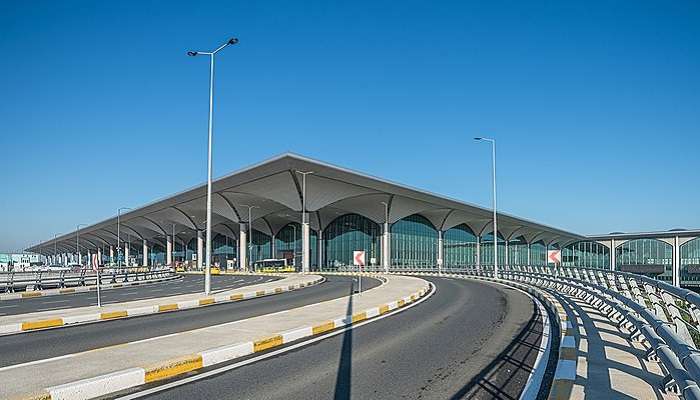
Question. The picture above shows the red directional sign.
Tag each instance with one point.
(358, 258)
(554, 256)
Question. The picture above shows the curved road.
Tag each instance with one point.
(188, 284)
(39, 345)
(470, 340)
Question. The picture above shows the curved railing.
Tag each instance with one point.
(39, 280)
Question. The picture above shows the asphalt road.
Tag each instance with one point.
(44, 344)
(470, 340)
(188, 284)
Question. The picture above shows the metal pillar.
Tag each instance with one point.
(613, 267)
(478, 251)
(676, 262)
(529, 259)
(145, 253)
(320, 249)
(111, 254)
(127, 245)
(386, 250)
(273, 247)
(305, 253)
(200, 248)
(441, 251)
(169, 251)
(507, 260)
(242, 248)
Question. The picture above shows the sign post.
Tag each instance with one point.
(358, 260)
(554, 257)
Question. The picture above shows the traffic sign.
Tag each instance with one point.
(358, 258)
(554, 257)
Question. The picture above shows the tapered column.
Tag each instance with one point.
(99, 257)
(507, 263)
(200, 249)
(478, 251)
(111, 254)
(273, 247)
(145, 253)
(529, 259)
(386, 248)
(242, 248)
(320, 249)
(169, 251)
(441, 251)
(305, 248)
(676, 262)
(126, 253)
(613, 265)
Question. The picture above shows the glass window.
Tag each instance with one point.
(459, 247)
(414, 243)
(348, 233)
(649, 252)
(690, 255)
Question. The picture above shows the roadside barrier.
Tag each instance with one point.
(32, 281)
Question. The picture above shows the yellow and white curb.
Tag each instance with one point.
(32, 325)
(132, 377)
(81, 289)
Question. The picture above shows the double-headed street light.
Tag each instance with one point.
(495, 220)
(211, 54)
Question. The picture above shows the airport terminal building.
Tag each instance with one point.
(258, 213)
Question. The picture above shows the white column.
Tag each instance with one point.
(242, 248)
(320, 249)
(145, 253)
(441, 251)
(507, 263)
(200, 249)
(80, 258)
(676, 263)
(613, 267)
(99, 256)
(386, 250)
(273, 247)
(169, 250)
(478, 251)
(111, 254)
(305, 253)
(89, 259)
(126, 253)
(529, 259)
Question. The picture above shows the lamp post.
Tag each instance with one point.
(304, 224)
(495, 220)
(211, 54)
(119, 248)
(250, 233)
(77, 241)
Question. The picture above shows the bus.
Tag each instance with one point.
(273, 265)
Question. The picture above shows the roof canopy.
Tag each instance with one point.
(274, 189)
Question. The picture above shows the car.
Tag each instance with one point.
(180, 269)
(215, 270)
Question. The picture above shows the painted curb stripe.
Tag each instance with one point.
(267, 343)
(41, 324)
(113, 314)
(172, 368)
(167, 307)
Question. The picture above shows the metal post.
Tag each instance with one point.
(207, 273)
(386, 256)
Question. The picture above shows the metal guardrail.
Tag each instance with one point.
(665, 316)
(39, 280)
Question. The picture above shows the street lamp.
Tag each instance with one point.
(77, 240)
(250, 234)
(495, 221)
(211, 54)
(304, 224)
(119, 248)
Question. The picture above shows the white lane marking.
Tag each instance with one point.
(274, 353)
(57, 301)
(49, 308)
(10, 306)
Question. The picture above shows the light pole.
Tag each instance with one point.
(55, 248)
(385, 239)
(211, 54)
(304, 224)
(77, 241)
(495, 220)
(250, 234)
(119, 248)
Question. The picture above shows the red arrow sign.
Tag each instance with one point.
(358, 258)
(554, 256)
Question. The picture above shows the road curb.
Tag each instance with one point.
(132, 377)
(33, 325)
(81, 289)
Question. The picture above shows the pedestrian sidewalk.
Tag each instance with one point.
(102, 371)
(19, 323)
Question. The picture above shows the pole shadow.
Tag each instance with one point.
(343, 380)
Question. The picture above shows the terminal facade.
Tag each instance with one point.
(269, 211)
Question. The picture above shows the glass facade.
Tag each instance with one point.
(690, 261)
(288, 242)
(459, 247)
(414, 243)
(223, 248)
(538, 254)
(487, 249)
(348, 233)
(586, 254)
(260, 246)
(640, 252)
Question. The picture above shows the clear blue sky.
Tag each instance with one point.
(595, 105)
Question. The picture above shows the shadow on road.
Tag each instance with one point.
(344, 378)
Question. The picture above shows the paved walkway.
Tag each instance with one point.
(153, 358)
(610, 366)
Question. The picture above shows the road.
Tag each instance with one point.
(469, 340)
(39, 345)
(188, 284)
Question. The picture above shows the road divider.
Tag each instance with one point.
(14, 324)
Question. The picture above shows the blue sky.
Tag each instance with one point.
(595, 105)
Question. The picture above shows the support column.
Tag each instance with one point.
(386, 249)
(169, 251)
(145, 253)
(88, 262)
(529, 258)
(111, 254)
(441, 251)
(613, 266)
(242, 248)
(80, 258)
(200, 249)
(507, 260)
(273, 246)
(676, 262)
(126, 253)
(320, 249)
(99, 256)
(305, 247)
(478, 252)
